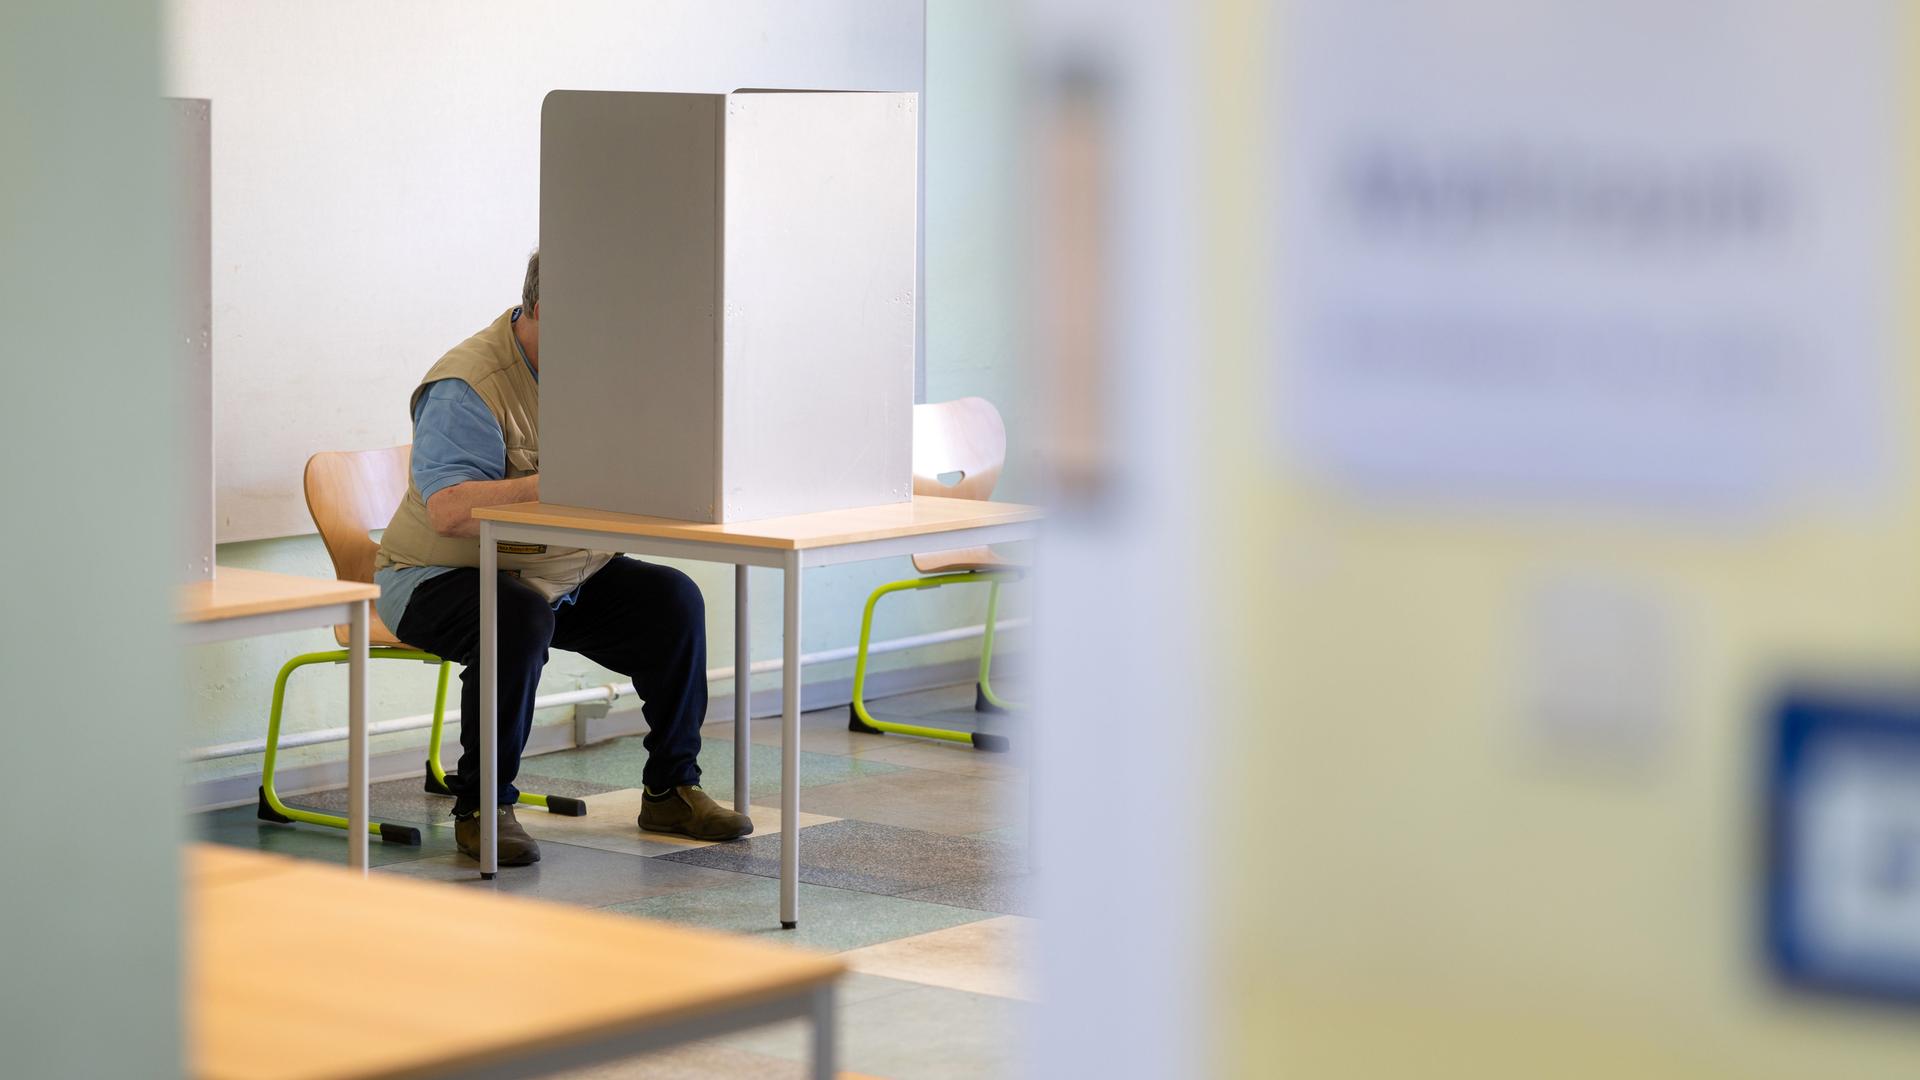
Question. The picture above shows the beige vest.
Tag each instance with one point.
(490, 362)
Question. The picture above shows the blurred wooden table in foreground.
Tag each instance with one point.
(298, 971)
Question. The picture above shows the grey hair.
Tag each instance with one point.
(530, 289)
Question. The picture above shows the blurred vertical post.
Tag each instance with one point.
(89, 674)
(1123, 802)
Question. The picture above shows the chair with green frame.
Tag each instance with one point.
(350, 494)
(964, 438)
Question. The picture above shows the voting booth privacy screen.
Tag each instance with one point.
(727, 301)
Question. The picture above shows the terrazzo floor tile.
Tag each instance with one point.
(923, 799)
(611, 825)
(573, 875)
(985, 957)
(925, 1033)
(238, 827)
(830, 919)
(618, 764)
(864, 856)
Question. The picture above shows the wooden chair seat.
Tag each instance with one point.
(377, 634)
(961, 560)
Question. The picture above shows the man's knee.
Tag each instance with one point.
(526, 619)
(681, 601)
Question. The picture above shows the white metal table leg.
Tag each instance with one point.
(825, 1051)
(742, 692)
(357, 814)
(790, 744)
(489, 701)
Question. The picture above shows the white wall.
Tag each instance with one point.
(375, 179)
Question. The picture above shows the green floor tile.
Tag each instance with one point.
(239, 827)
(831, 919)
(572, 875)
(923, 1033)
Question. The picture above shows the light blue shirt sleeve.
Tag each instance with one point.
(455, 439)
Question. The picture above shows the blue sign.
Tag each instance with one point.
(1843, 842)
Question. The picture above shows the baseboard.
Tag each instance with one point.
(297, 780)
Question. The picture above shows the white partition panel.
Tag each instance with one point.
(819, 294)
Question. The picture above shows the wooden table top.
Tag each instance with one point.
(925, 515)
(298, 971)
(233, 593)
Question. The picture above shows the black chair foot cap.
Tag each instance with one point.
(785, 925)
(266, 812)
(484, 876)
(981, 704)
(566, 807)
(399, 834)
(998, 744)
(435, 787)
(854, 723)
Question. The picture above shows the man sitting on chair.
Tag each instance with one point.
(476, 442)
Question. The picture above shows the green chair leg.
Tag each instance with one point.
(270, 807)
(984, 699)
(437, 776)
(859, 719)
(436, 783)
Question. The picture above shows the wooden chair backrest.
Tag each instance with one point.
(350, 493)
(964, 436)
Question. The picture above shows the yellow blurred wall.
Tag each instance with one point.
(1405, 883)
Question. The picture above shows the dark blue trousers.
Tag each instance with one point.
(644, 621)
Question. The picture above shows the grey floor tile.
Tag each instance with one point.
(408, 801)
(830, 919)
(389, 800)
(822, 731)
(924, 799)
(239, 827)
(536, 781)
(938, 755)
(620, 761)
(695, 1061)
(574, 875)
(866, 857)
(922, 702)
(1006, 834)
(926, 1033)
(1005, 894)
(711, 1059)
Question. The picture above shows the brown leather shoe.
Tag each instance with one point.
(692, 812)
(515, 847)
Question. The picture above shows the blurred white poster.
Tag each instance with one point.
(1636, 253)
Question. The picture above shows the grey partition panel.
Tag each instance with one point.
(190, 124)
(728, 301)
(629, 300)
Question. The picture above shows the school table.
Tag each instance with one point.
(299, 971)
(788, 544)
(245, 603)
